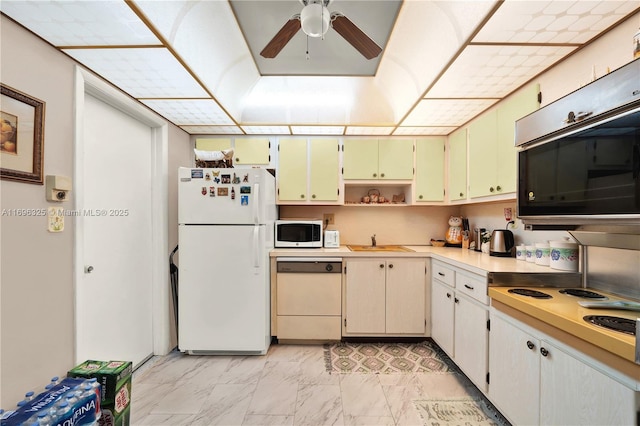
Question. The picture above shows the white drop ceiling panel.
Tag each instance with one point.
(266, 130)
(317, 130)
(369, 130)
(141, 72)
(81, 23)
(189, 112)
(207, 130)
(423, 131)
(536, 21)
(446, 112)
(494, 71)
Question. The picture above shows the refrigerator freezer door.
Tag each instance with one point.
(224, 293)
(226, 196)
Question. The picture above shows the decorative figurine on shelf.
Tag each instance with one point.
(454, 233)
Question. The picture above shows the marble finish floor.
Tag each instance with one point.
(288, 386)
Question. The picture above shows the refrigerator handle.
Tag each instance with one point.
(256, 248)
(256, 203)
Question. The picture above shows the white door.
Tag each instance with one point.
(114, 295)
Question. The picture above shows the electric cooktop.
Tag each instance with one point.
(623, 325)
(530, 293)
(581, 292)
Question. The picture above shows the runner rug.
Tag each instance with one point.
(460, 411)
(421, 357)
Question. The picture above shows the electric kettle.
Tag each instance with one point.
(502, 243)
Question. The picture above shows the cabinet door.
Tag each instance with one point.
(574, 393)
(458, 165)
(483, 160)
(514, 365)
(405, 301)
(471, 339)
(365, 296)
(323, 182)
(360, 159)
(430, 169)
(251, 151)
(213, 144)
(395, 159)
(512, 109)
(442, 316)
(292, 170)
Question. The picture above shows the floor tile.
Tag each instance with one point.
(274, 399)
(226, 405)
(280, 371)
(183, 398)
(265, 420)
(243, 369)
(165, 420)
(362, 395)
(319, 405)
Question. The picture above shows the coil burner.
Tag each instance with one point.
(531, 293)
(623, 325)
(580, 292)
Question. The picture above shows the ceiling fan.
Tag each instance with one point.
(315, 19)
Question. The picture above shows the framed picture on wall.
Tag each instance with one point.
(21, 136)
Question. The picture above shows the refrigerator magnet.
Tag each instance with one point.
(212, 191)
(245, 179)
(196, 173)
(244, 200)
(236, 179)
(216, 179)
(226, 178)
(204, 190)
(207, 176)
(245, 190)
(223, 192)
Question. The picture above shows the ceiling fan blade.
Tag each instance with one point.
(279, 41)
(354, 35)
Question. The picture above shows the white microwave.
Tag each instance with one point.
(300, 233)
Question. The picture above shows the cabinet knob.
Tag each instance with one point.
(544, 352)
(381, 265)
(456, 300)
(381, 174)
(313, 196)
(448, 295)
(237, 159)
(499, 188)
(530, 344)
(420, 196)
(301, 195)
(461, 194)
(375, 175)
(391, 266)
(491, 189)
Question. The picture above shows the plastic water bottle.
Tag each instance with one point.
(42, 418)
(62, 409)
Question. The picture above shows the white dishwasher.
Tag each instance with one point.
(308, 298)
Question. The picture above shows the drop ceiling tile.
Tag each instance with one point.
(81, 23)
(266, 130)
(141, 72)
(446, 112)
(317, 130)
(536, 21)
(424, 131)
(483, 71)
(369, 130)
(190, 112)
(208, 130)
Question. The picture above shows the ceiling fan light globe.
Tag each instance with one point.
(315, 19)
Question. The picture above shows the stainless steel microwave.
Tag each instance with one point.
(579, 157)
(300, 233)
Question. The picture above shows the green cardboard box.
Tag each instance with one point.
(115, 380)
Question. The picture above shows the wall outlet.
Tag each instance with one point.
(328, 219)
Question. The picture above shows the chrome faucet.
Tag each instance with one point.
(373, 240)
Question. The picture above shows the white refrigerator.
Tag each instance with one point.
(225, 232)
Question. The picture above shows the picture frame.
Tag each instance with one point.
(22, 136)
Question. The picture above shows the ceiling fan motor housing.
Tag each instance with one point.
(315, 19)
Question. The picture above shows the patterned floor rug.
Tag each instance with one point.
(347, 357)
(454, 412)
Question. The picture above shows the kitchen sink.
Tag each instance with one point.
(378, 248)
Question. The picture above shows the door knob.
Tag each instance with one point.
(88, 269)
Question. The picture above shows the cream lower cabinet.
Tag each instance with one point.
(385, 297)
(459, 315)
(537, 380)
(309, 306)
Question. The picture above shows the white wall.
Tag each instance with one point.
(36, 281)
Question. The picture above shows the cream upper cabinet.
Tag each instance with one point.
(324, 169)
(458, 165)
(213, 144)
(292, 169)
(429, 181)
(385, 297)
(389, 159)
(308, 170)
(492, 152)
(251, 151)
